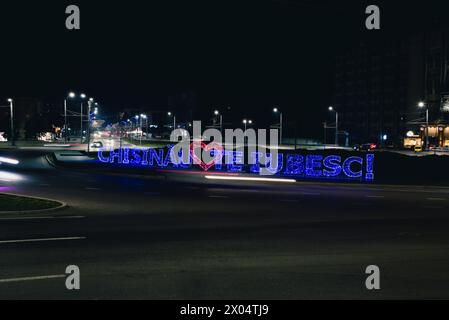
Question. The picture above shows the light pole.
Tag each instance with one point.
(276, 110)
(13, 142)
(174, 119)
(246, 122)
(83, 96)
(89, 108)
(217, 113)
(137, 125)
(71, 95)
(144, 116)
(421, 105)
(331, 109)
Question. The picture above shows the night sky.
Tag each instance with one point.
(248, 56)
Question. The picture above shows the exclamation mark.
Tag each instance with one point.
(369, 167)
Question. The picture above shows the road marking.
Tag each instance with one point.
(40, 218)
(436, 199)
(375, 197)
(93, 189)
(55, 276)
(42, 240)
(219, 197)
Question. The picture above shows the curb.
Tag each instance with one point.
(61, 206)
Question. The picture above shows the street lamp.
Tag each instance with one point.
(332, 109)
(421, 105)
(144, 116)
(83, 96)
(13, 143)
(217, 113)
(174, 119)
(71, 95)
(276, 110)
(246, 122)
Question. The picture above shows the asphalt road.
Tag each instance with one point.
(175, 236)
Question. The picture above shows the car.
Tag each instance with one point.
(97, 144)
(418, 148)
(365, 147)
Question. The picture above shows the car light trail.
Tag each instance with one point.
(250, 179)
(57, 145)
(9, 160)
(9, 176)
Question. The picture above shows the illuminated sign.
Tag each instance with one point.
(315, 166)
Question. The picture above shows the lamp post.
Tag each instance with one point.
(246, 122)
(217, 113)
(276, 110)
(83, 96)
(89, 108)
(331, 109)
(71, 95)
(174, 119)
(146, 125)
(421, 105)
(13, 142)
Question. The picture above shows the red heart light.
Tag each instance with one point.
(206, 147)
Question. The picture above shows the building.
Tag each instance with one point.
(378, 86)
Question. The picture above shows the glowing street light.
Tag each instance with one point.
(332, 109)
(246, 122)
(217, 113)
(71, 95)
(422, 105)
(174, 119)
(276, 110)
(83, 96)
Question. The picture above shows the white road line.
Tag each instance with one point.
(376, 197)
(93, 189)
(436, 199)
(40, 218)
(55, 276)
(42, 240)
